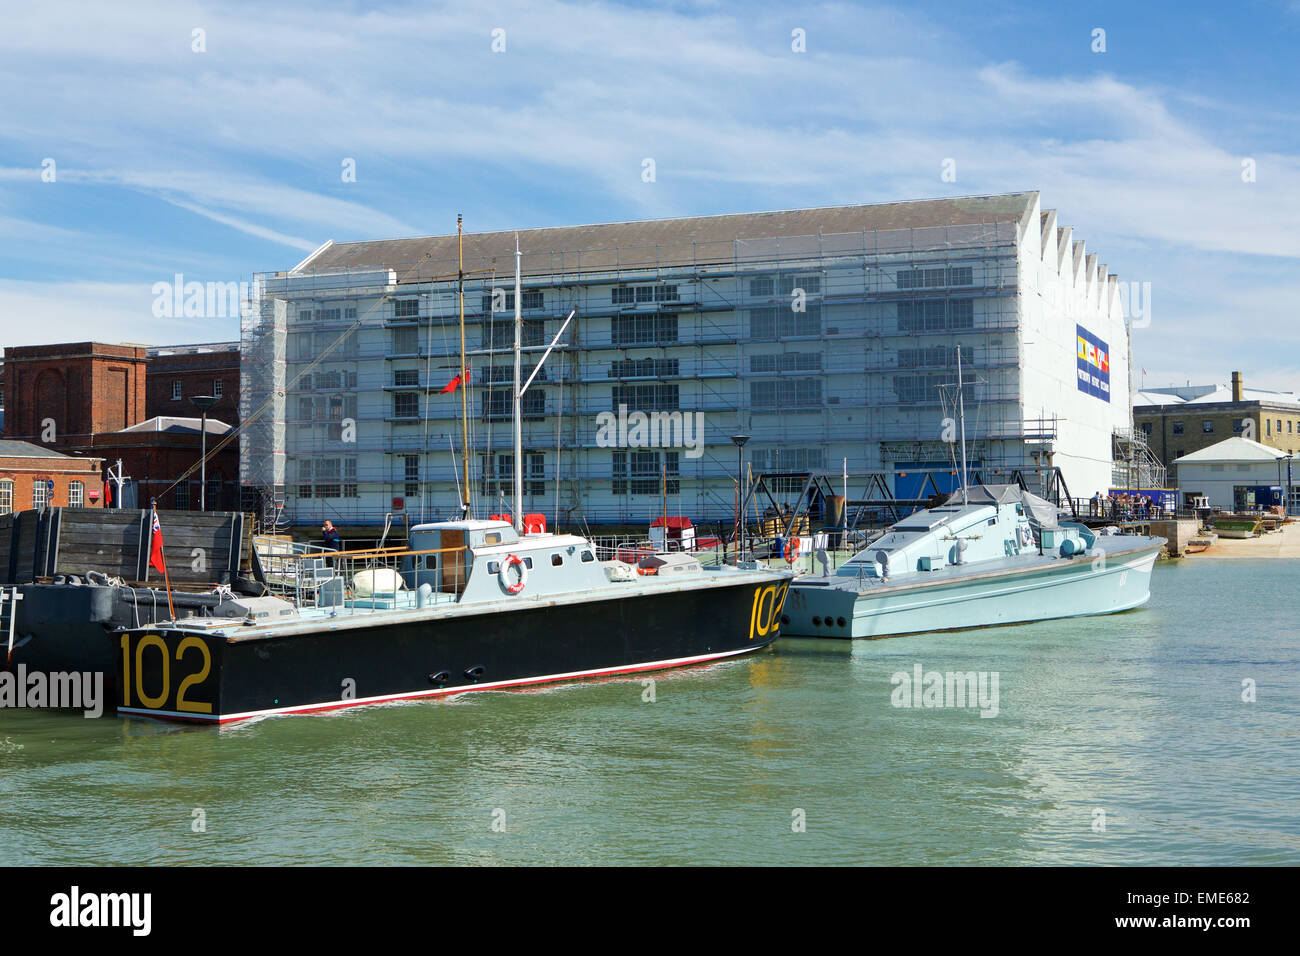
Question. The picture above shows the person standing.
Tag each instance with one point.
(331, 535)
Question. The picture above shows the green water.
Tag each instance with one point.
(1138, 714)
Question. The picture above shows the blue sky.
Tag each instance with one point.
(221, 163)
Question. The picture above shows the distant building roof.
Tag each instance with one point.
(1210, 394)
(178, 426)
(631, 245)
(24, 449)
(1231, 450)
(196, 349)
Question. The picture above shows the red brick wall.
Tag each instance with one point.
(23, 471)
(84, 387)
(196, 372)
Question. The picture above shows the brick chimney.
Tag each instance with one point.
(1237, 387)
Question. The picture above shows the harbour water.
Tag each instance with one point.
(793, 756)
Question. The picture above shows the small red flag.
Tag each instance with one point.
(108, 493)
(156, 547)
(462, 379)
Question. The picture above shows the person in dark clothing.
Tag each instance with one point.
(331, 535)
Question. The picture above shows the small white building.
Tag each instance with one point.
(1236, 474)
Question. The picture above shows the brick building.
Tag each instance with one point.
(179, 372)
(156, 452)
(1181, 420)
(26, 471)
(58, 396)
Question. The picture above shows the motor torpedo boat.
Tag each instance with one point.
(992, 554)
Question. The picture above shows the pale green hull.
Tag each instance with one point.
(1018, 590)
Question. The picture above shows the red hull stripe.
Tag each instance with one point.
(442, 691)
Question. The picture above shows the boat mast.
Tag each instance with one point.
(961, 418)
(519, 426)
(464, 383)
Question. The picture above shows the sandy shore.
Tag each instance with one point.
(1280, 544)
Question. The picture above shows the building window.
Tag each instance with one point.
(218, 387)
(406, 308)
(645, 473)
(778, 322)
(176, 390)
(406, 341)
(644, 368)
(786, 362)
(501, 335)
(406, 405)
(497, 404)
(6, 497)
(786, 393)
(406, 377)
(630, 295)
(181, 501)
(935, 278)
(809, 284)
(39, 493)
(646, 328)
(1207, 427)
(411, 475)
(914, 389)
(76, 494)
(1146, 429)
(1178, 428)
(936, 315)
(213, 498)
(1238, 424)
(646, 398)
(763, 287)
(788, 459)
(1279, 426)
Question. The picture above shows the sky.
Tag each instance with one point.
(151, 139)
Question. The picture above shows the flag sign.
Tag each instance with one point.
(1094, 364)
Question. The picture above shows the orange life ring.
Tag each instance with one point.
(792, 548)
(504, 574)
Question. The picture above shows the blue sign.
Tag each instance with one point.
(1094, 364)
(49, 486)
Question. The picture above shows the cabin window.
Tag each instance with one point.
(492, 537)
(992, 522)
(588, 556)
(494, 567)
(557, 560)
(528, 563)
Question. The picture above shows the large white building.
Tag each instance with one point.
(824, 334)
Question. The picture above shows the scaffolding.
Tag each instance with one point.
(822, 347)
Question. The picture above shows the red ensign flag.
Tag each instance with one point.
(156, 547)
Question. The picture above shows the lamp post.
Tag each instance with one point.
(204, 402)
(739, 442)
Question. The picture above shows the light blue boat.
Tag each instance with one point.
(992, 554)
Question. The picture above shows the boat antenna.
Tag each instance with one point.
(961, 419)
(519, 426)
(464, 367)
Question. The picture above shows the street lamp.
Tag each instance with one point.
(739, 442)
(204, 402)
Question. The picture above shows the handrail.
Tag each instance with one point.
(382, 553)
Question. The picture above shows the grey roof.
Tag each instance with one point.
(657, 241)
(176, 425)
(25, 449)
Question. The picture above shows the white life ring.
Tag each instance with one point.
(503, 575)
(1026, 536)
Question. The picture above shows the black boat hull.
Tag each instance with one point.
(181, 674)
